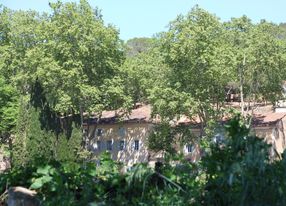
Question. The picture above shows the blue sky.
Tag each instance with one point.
(143, 18)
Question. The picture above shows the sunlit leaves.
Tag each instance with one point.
(194, 48)
(70, 53)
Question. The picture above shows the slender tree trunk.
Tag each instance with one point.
(84, 135)
(241, 96)
(254, 104)
(202, 117)
(241, 85)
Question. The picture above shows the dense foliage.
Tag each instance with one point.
(237, 171)
(58, 68)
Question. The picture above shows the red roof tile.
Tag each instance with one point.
(261, 119)
(143, 114)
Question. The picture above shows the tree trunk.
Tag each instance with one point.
(241, 85)
(84, 135)
(202, 117)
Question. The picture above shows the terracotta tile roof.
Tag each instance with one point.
(108, 114)
(140, 114)
(261, 119)
(258, 119)
(184, 120)
(143, 114)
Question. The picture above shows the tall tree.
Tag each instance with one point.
(78, 54)
(71, 54)
(8, 114)
(8, 108)
(268, 62)
(258, 59)
(238, 34)
(195, 50)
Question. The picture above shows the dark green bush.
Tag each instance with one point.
(237, 171)
(240, 171)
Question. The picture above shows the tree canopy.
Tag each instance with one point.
(69, 64)
(71, 53)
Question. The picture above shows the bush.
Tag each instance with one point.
(240, 172)
(237, 171)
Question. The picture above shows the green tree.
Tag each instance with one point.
(8, 116)
(31, 143)
(40, 144)
(34, 145)
(8, 108)
(143, 72)
(267, 63)
(195, 49)
(19, 153)
(70, 50)
(85, 53)
(70, 149)
(71, 54)
(238, 34)
(258, 59)
(19, 36)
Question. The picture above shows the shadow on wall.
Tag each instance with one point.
(127, 142)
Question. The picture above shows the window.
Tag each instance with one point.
(121, 145)
(99, 132)
(98, 144)
(136, 145)
(109, 145)
(121, 132)
(189, 148)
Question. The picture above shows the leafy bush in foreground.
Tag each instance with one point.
(80, 184)
(238, 171)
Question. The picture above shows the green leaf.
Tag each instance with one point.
(46, 179)
(44, 170)
(37, 184)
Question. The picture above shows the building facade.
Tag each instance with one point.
(127, 138)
